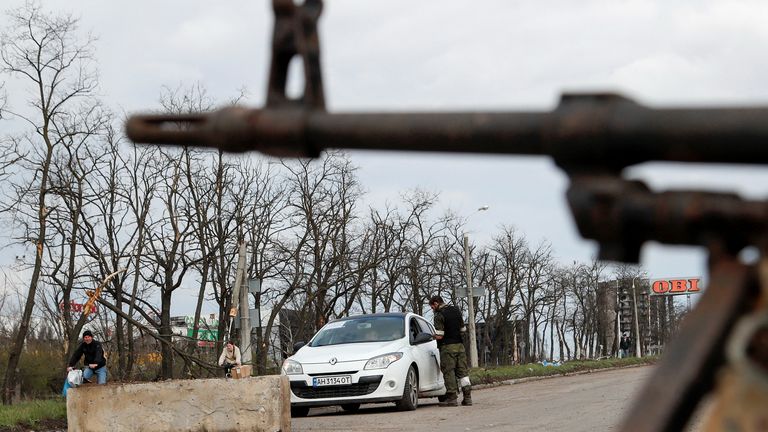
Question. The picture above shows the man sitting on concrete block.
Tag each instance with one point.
(229, 358)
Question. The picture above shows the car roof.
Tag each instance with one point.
(377, 315)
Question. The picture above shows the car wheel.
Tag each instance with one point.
(299, 411)
(410, 399)
(351, 407)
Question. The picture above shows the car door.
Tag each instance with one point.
(424, 355)
(433, 350)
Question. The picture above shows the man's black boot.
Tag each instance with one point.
(451, 400)
(467, 399)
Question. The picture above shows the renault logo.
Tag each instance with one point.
(332, 361)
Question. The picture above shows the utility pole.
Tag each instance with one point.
(470, 305)
(245, 316)
(637, 324)
(240, 297)
(648, 316)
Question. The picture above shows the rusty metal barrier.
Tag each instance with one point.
(592, 137)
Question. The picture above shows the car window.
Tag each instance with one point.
(414, 329)
(426, 326)
(360, 329)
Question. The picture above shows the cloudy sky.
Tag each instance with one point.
(443, 55)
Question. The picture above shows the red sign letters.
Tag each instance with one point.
(675, 286)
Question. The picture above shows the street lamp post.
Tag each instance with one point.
(637, 324)
(471, 301)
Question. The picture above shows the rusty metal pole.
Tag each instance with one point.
(686, 371)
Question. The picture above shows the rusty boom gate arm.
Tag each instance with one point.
(592, 137)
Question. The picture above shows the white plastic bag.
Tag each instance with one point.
(75, 377)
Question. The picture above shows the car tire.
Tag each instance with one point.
(410, 399)
(299, 411)
(353, 407)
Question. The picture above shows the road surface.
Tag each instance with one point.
(588, 402)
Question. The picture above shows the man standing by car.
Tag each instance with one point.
(95, 362)
(449, 326)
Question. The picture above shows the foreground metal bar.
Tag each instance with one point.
(686, 371)
(604, 130)
(622, 215)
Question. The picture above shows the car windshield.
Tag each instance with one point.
(360, 329)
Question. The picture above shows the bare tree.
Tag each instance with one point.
(386, 279)
(322, 196)
(538, 267)
(44, 51)
(169, 244)
(503, 274)
(109, 235)
(143, 181)
(204, 188)
(66, 270)
(365, 256)
(263, 223)
(422, 239)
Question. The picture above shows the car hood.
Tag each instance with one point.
(346, 352)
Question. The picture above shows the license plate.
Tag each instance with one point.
(331, 380)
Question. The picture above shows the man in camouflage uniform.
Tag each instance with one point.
(449, 326)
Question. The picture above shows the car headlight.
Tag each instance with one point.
(383, 361)
(292, 367)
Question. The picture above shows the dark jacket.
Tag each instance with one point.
(625, 343)
(449, 324)
(93, 354)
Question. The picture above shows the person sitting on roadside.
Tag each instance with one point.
(229, 358)
(94, 359)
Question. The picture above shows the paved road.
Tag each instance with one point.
(589, 402)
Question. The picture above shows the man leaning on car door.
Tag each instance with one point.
(449, 326)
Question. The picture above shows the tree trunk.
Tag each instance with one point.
(12, 371)
(166, 369)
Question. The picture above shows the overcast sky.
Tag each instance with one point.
(443, 55)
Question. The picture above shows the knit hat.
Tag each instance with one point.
(87, 333)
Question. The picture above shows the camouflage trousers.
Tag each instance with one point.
(453, 363)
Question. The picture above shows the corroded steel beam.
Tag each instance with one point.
(685, 373)
(585, 131)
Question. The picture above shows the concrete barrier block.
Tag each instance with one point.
(250, 404)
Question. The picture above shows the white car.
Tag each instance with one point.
(389, 357)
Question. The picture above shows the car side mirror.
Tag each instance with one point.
(297, 346)
(422, 338)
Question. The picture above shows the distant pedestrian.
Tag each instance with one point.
(229, 358)
(94, 361)
(624, 345)
(449, 327)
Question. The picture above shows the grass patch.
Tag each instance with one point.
(503, 373)
(32, 412)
